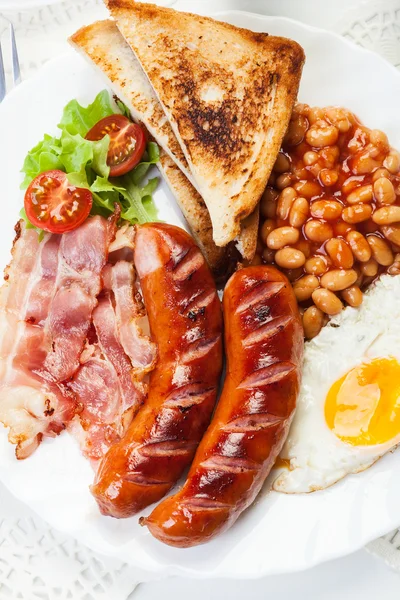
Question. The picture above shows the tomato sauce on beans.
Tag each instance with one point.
(330, 215)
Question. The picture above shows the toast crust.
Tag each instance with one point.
(228, 93)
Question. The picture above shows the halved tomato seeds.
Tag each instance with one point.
(53, 204)
(127, 143)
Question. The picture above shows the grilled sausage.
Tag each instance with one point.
(264, 342)
(185, 319)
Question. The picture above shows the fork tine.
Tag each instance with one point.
(2, 77)
(15, 61)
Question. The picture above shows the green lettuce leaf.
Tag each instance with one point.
(43, 157)
(78, 119)
(122, 107)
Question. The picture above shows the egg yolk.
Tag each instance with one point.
(363, 407)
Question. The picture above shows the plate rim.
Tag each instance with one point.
(172, 568)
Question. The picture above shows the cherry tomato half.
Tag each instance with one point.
(53, 204)
(127, 142)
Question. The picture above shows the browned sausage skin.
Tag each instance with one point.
(264, 343)
(185, 319)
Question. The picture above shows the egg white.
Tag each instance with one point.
(318, 458)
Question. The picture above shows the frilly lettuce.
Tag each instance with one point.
(86, 166)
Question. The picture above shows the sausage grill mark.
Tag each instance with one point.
(139, 479)
(261, 292)
(199, 301)
(167, 448)
(254, 422)
(188, 396)
(230, 465)
(200, 504)
(264, 332)
(188, 265)
(199, 350)
(268, 375)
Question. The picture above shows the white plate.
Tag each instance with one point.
(279, 533)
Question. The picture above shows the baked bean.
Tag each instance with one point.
(305, 286)
(316, 265)
(386, 215)
(364, 164)
(340, 253)
(272, 179)
(282, 236)
(304, 246)
(313, 320)
(317, 231)
(361, 194)
(357, 213)
(330, 156)
(310, 158)
(266, 228)
(370, 268)
(338, 279)
(290, 258)
(342, 229)
(359, 245)
(357, 142)
(294, 274)
(296, 130)
(298, 212)
(285, 201)
(328, 177)
(360, 278)
(338, 117)
(268, 256)
(326, 209)
(372, 151)
(394, 269)
(282, 163)
(299, 172)
(379, 139)
(315, 114)
(327, 301)
(384, 191)
(392, 162)
(315, 169)
(283, 181)
(381, 250)
(392, 233)
(351, 183)
(300, 109)
(268, 203)
(381, 172)
(353, 296)
(307, 189)
(322, 134)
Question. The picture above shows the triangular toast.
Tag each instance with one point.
(228, 94)
(103, 45)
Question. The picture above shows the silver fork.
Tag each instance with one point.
(15, 70)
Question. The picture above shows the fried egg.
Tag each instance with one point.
(348, 410)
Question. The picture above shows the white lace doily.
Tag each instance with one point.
(36, 562)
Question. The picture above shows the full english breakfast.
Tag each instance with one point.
(113, 327)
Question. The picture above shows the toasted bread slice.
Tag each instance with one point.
(228, 94)
(103, 45)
